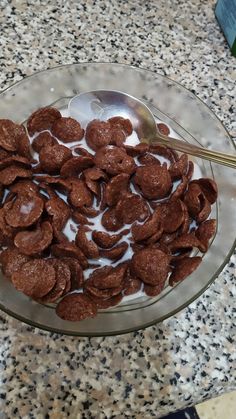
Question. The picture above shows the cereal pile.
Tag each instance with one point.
(144, 195)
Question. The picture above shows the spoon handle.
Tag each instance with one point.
(214, 156)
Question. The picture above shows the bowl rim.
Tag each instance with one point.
(195, 296)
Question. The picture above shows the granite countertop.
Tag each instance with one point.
(190, 357)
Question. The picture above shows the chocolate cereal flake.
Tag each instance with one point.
(33, 242)
(44, 139)
(12, 259)
(154, 181)
(52, 158)
(24, 211)
(116, 253)
(76, 307)
(204, 233)
(151, 265)
(62, 279)
(106, 240)
(35, 278)
(116, 188)
(77, 276)
(88, 247)
(42, 119)
(114, 160)
(98, 134)
(67, 130)
(76, 165)
(69, 249)
(184, 268)
(132, 208)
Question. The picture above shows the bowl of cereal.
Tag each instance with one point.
(101, 234)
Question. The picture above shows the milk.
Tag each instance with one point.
(71, 227)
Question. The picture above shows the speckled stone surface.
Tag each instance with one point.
(190, 357)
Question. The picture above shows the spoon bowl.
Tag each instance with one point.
(104, 104)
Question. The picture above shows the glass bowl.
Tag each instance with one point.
(194, 122)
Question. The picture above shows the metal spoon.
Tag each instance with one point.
(104, 104)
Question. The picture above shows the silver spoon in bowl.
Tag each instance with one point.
(104, 104)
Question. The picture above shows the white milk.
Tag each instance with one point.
(71, 227)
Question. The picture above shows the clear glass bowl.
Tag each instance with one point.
(194, 122)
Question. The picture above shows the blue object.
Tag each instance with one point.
(189, 413)
(226, 15)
